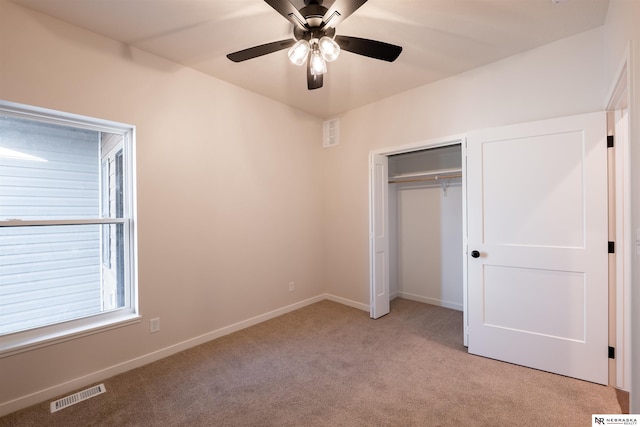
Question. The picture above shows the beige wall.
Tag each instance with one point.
(622, 30)
(555, 80)
(228, 201)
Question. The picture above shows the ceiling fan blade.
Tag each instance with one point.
(263, 49)
(371, 48)
(341, 10)
(290, 13)
(313, 82)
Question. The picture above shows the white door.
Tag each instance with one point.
(379, 236)
(537, 217)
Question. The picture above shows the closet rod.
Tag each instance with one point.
(426, 178)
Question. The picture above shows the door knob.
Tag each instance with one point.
(475, 254)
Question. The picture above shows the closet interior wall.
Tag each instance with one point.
(425, 224)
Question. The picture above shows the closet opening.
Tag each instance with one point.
(425, 226)
(418, 225)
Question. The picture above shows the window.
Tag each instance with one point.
(67, 239)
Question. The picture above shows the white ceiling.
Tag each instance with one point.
(439, 38)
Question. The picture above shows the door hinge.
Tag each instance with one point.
(612, 352)
(610, 139)
(612, 247)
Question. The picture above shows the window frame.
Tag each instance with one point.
(29, 339)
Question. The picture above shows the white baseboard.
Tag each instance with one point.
(350, 303)
(103, 374)
(432, 301)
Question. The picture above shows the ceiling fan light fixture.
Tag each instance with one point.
(299, 52)
(318, 64)
(329, 48)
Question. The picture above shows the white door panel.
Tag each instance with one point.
(379, 236)
(537, 203)
(547, 171)
(510, 293)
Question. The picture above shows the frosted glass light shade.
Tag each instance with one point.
(299, 52)
(329, 49)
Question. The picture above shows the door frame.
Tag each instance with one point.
(375, 216)
(618, 102)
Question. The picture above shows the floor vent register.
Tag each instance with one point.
(77, 397)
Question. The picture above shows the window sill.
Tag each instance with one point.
(18, 343)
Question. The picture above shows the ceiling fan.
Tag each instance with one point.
(314, 38)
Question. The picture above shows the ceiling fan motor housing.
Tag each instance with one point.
(313, 33)
(313, 13)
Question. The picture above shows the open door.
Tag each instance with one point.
(537, 242)
(379, 235)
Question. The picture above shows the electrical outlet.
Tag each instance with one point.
(292, 286)
(154, 325)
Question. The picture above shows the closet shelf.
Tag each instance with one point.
(437, 175)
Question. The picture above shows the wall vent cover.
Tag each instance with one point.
(330, 133)
(77, 397)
